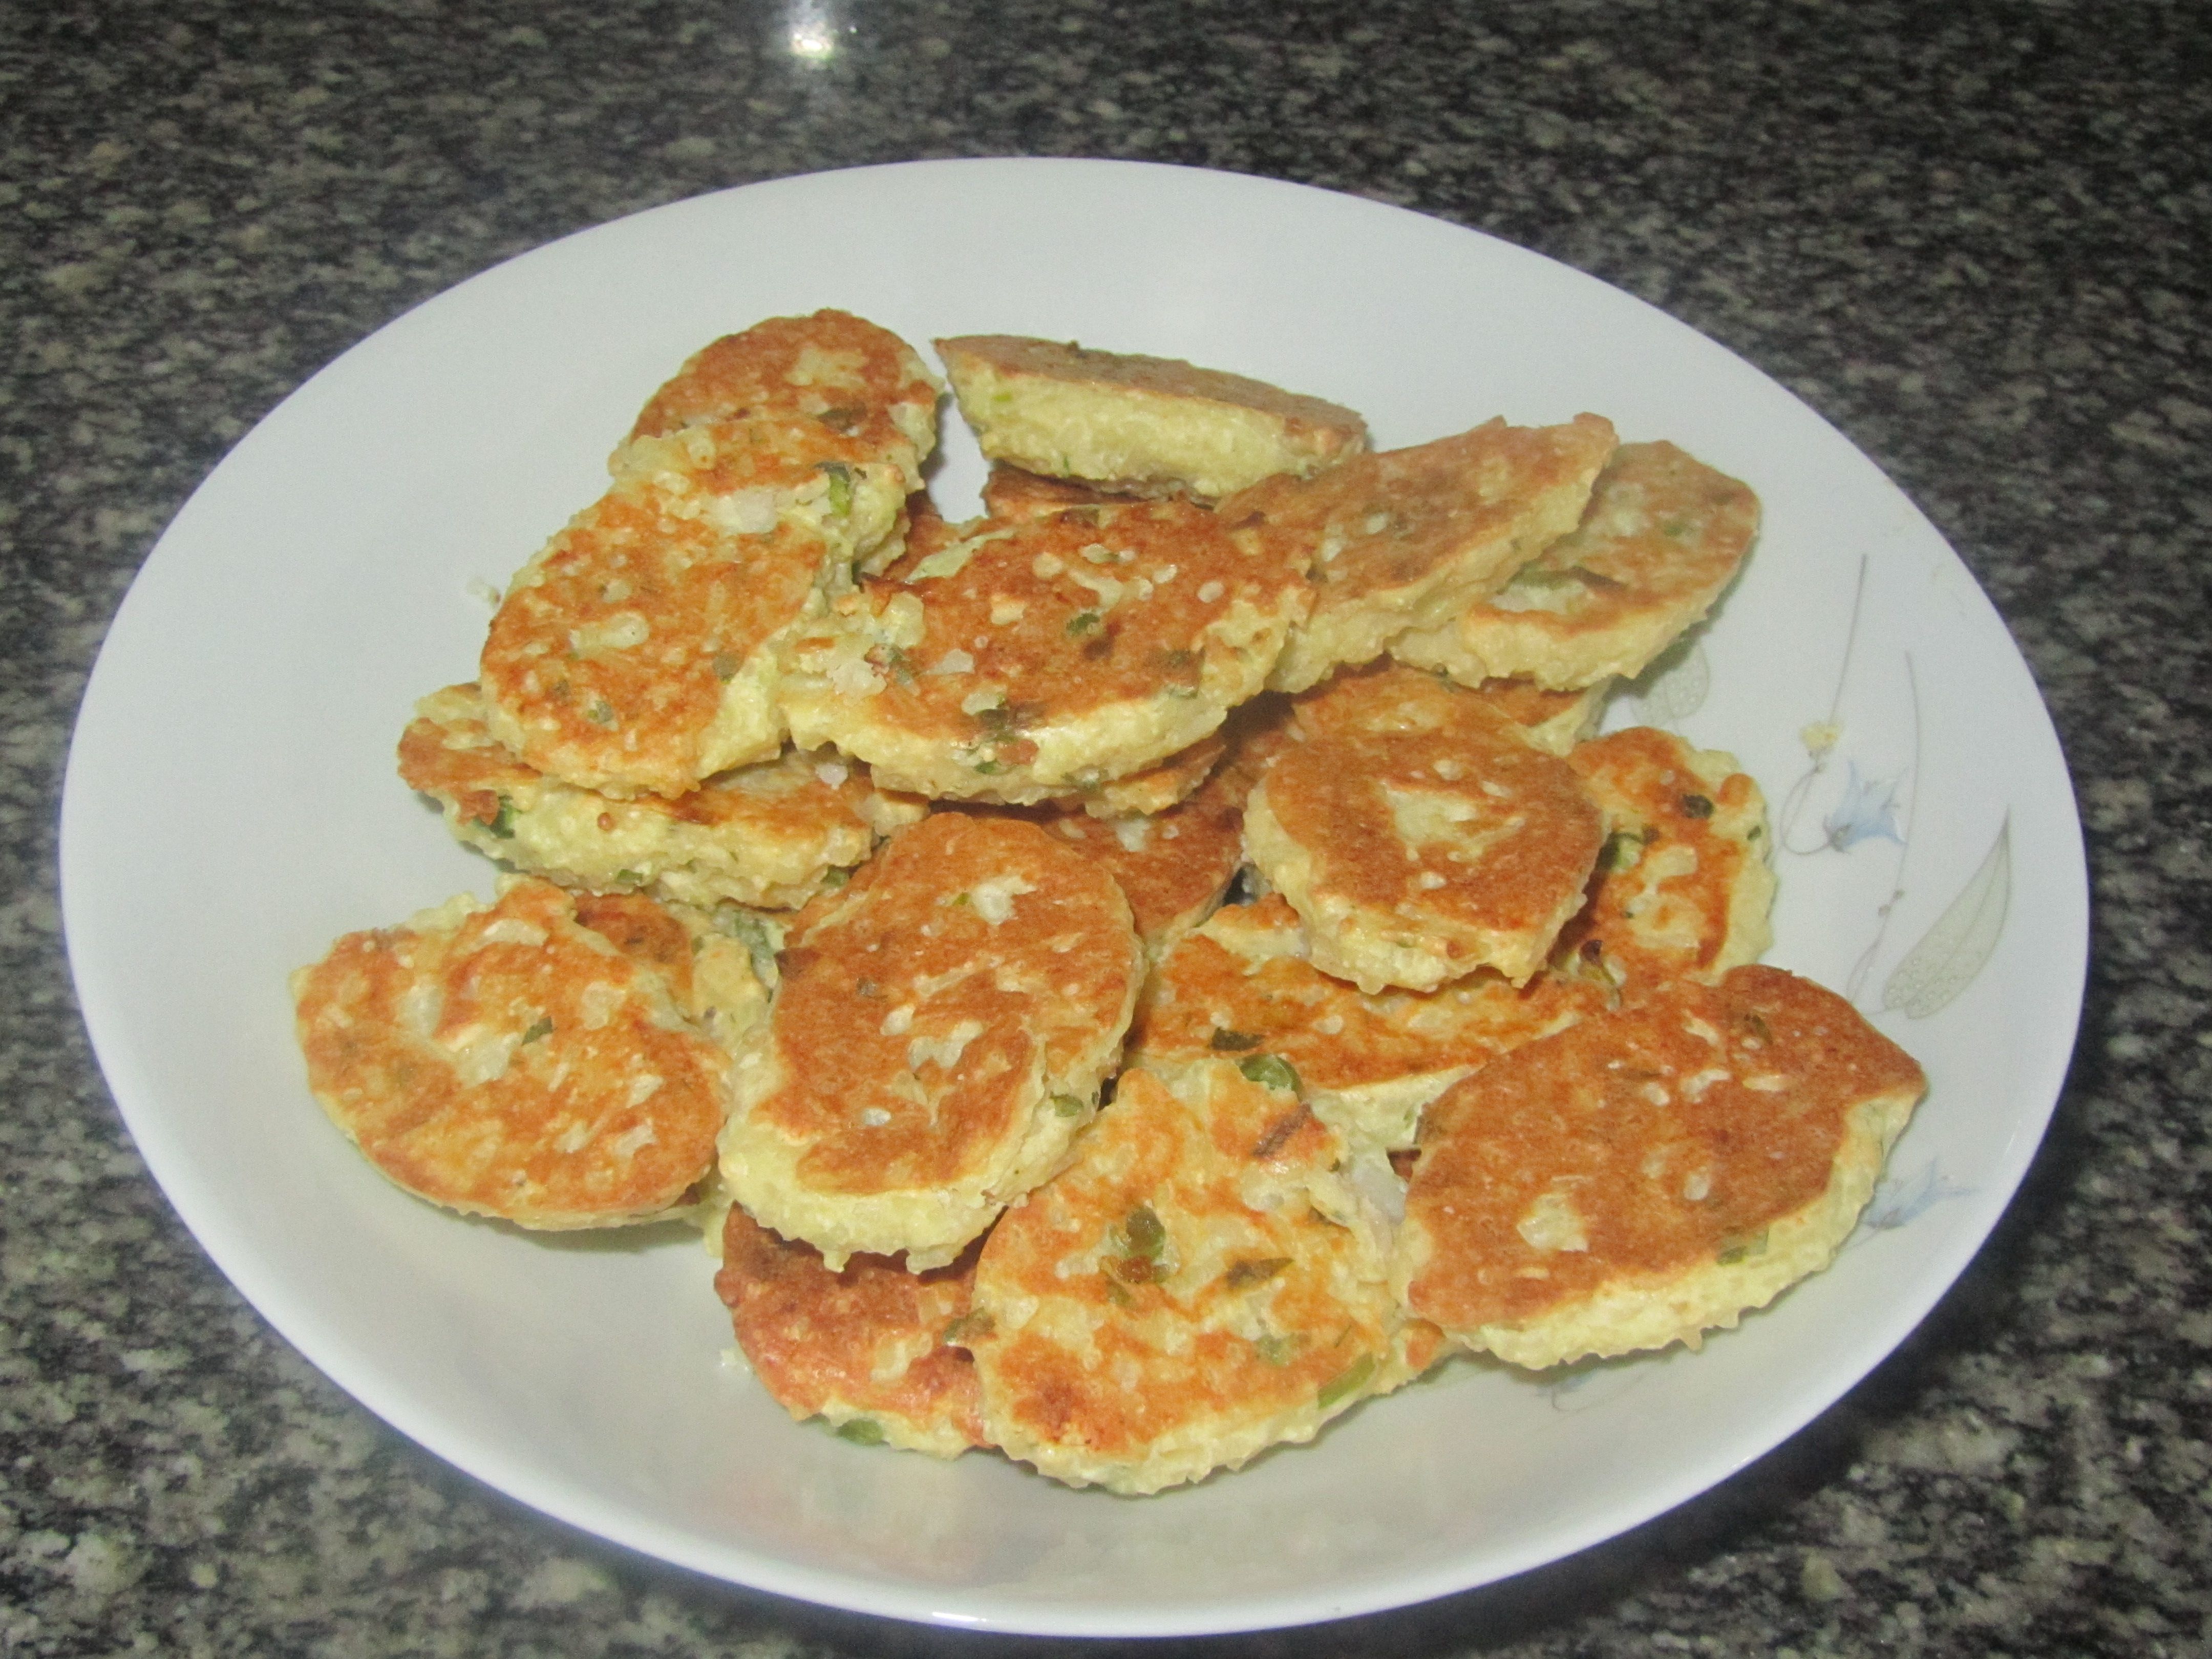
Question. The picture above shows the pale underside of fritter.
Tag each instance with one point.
(766, 835)
(1045, 657)
(1199, 1285)
(1409, 537)
(1662, 536)
(940, 1033)
(1652, 1173)
(637, 653)
(1137, 424)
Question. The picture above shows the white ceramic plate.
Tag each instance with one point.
(231, 808)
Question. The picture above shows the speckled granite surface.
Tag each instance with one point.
(1975, 236)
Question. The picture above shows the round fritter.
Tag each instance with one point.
(1684, 887)
(1199, 1285)
(509, 1060)
(867, 1348)
(1662, 536)
(1409, 537)
(1242, 985)
(1419, 836)
(940, 1033)
(1141, 425)
(1651, 1173)
(636, 651)
(1019, 661)
(764, 835)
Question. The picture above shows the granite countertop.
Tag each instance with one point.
(1975, 237)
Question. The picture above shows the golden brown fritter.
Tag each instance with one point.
(1653, 1172)
(1409, 537)
(1684, 887)
(514, 1060)
(1019, 661)
(941, 1032)
(636, 651)
(1419, 836)
(1199, 1285)
(1662, 536)
(866, 1348)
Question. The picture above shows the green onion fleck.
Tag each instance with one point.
(1270, 1072)
(1143, 1233)
(1348, 1382)
(1225, 1040)
(840, 486)
(538, 1028)
(1733, 1250)
(1242, 1275)
(502, 821)
(861, 1431)
(1082, 622)
(1067, 1105)
(1280, 1350)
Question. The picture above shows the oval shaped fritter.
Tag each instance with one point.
(1651, 1173)
(941, 1030)
(510, 1060)
(1046, 656)
(867, 1348)
(637, 652)
(1419, 836)
(1199, 1285)
(1661, 538)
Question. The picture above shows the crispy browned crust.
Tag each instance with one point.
(603, 1108)
(1708, 912)
(1041, 986)
(1679, 1128)
(1494, 892)
(607, 662)
(869, 1340)
(1142, 1318)
(765, 373)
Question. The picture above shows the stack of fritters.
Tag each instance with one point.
(1026, 1138)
